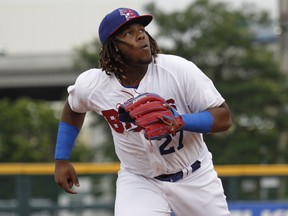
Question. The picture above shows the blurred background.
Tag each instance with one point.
(242, 45)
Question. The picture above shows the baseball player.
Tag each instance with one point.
(157, 106)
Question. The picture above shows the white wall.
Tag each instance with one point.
(49, 26)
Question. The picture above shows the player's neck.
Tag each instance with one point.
(132, 76)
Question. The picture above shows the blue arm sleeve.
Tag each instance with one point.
(66, 137)
(198, 122)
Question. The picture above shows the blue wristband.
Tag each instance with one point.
(66, 137)
(198, 122)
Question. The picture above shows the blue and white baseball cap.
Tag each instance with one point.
(118, 18)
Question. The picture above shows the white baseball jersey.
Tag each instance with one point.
(177, 80)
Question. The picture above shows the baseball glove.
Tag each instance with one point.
(150, 112)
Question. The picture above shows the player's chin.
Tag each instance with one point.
(145, 60)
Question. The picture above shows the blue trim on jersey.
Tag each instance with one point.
(66, 137)
(198, 122)
(130, 86)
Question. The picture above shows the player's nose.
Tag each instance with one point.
(141, 35)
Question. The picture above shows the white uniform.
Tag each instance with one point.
(183, 85)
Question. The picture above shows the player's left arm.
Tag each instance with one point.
(158, 119)
(212, 120)
(221, 118)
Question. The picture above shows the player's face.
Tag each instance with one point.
(133, 44)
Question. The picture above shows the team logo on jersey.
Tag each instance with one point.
(128, 13)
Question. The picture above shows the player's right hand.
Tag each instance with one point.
(65, 176)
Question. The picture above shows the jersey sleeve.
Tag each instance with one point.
(200, 92)
(78, 98)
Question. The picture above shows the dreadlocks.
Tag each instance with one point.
(111, 61)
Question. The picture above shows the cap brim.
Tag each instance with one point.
(143, 19)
